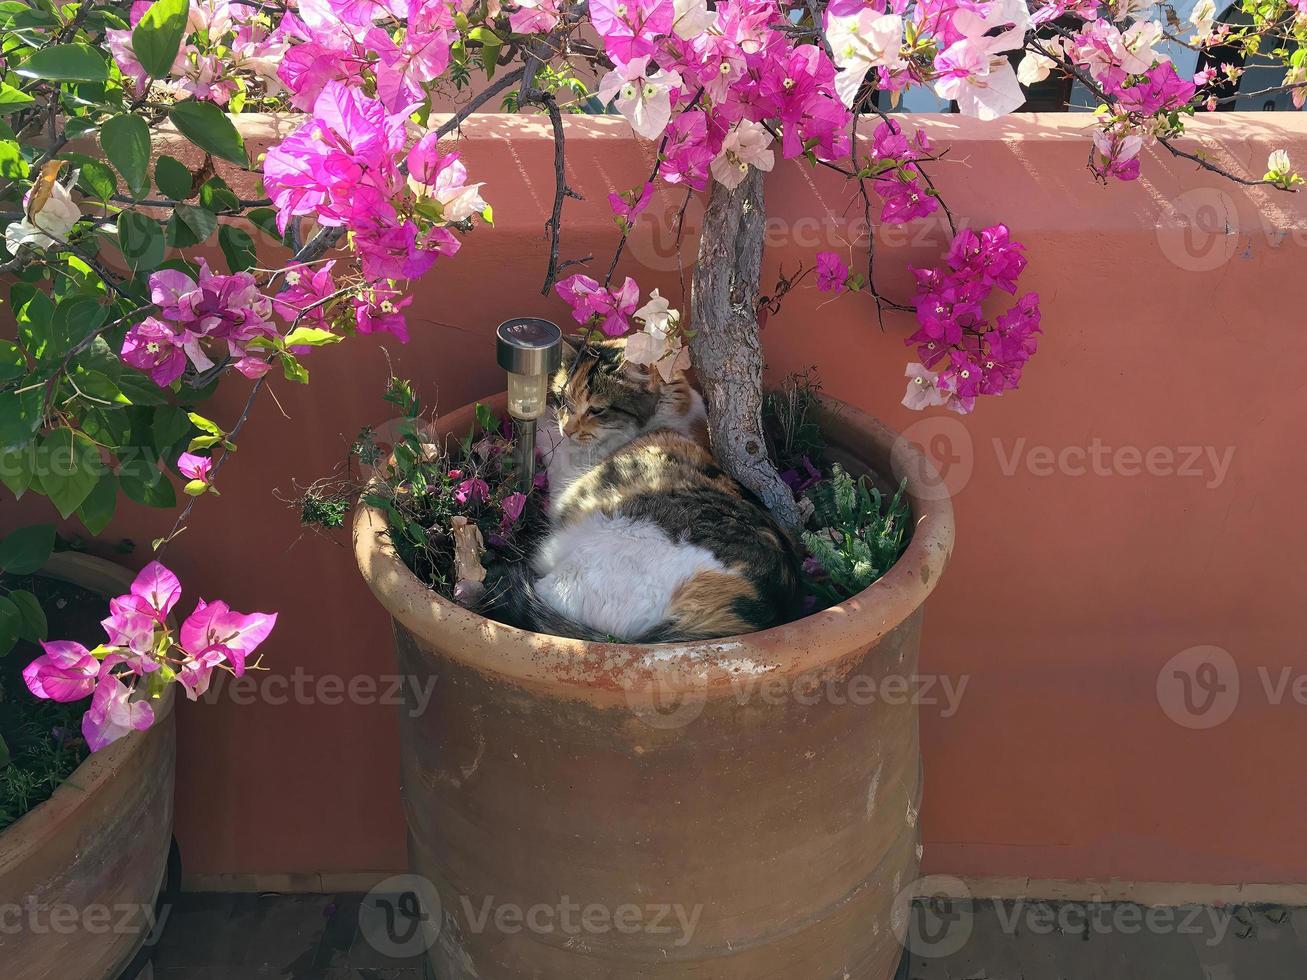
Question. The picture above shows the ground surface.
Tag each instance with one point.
(322, 937)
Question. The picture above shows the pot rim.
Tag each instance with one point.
(585, 668)
(41, 823)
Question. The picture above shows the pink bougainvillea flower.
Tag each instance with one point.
(534, 16)
(629, 28)
(629, 204)
(114, 714)
(307, 296)
(194, 467)
(155, 348)
(512, 505)
(214, 629)
(131, 626)
(67, 671)
(473, 490)
(593, 304)
(158, 587)
(832, 273)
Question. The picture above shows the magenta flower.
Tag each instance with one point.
(131, 626)
(114, 714)
(307, 295)
(472, 490)
(67, 671)
(832, 273)
(595, 305)
(214, 632)
(194, 467)
(513, 505)
(155, 348)
(628, 205)
(159, 588)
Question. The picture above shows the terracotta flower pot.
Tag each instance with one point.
(79, 873)
(740, 808)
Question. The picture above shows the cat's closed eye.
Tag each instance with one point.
(598, 412)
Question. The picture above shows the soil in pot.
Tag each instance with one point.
(44, 738)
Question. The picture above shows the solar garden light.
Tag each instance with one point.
(530, 350)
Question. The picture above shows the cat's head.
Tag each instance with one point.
(599, 396)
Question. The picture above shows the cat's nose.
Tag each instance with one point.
(571, 425)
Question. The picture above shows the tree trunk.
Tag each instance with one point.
(726, 347)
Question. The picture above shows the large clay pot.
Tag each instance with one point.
(79, 873)
(577, 804)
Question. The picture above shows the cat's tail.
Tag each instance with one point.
(513, 599)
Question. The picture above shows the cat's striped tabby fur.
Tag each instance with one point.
(651, 541)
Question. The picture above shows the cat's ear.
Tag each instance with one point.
(644, 375)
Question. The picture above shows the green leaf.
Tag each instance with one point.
(34, 311)
(21, 415)
(11, 621)
(4, 749)
(66, 63)
(293, 369)
(205, 425)
(68, 465)
(194, 488)
(12, 363)
(209, 128)
(158, 35)
(265, 219)
(146, 485)
(33, 625)
(217, 196)
(76, 318)
(237, 246)
(100, 387)
(27, 549)
(97, 509)
(140, 389)
(311, 337)
(97, 179)
(140, 239)
(12, 163)
(171, 425)
(173, 178)
(17, 468)
(126, 142)
(12, 99)
(190, 225)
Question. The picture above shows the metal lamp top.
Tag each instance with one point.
(528, 345)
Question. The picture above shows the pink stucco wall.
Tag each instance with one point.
(1140, 496)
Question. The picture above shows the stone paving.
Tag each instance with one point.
(318, 937)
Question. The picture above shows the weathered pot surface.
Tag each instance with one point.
(79, 874)
(737, 808)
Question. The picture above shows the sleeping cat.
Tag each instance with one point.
(651, 541)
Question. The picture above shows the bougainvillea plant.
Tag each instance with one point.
(127, 317)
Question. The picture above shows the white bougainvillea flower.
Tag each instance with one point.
(657, 344)
(1278, 162)
(975, 71)
(1034, 68)
(692, 18)
(50, 225)
(644, 99)
(922, 391)
(1137, 54)
(1202, 17)
(860, 42)
(745, 146)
